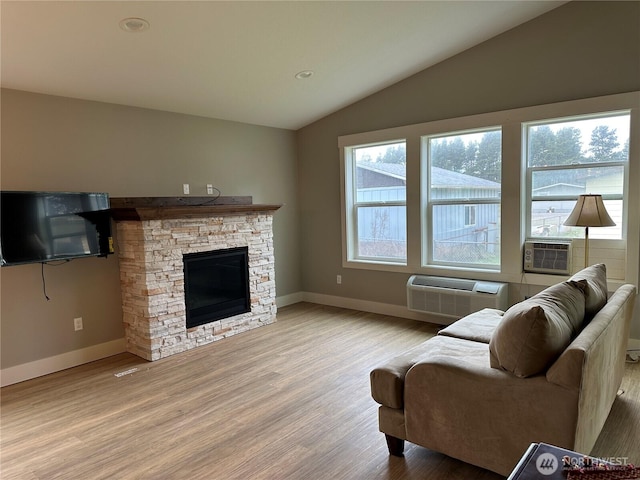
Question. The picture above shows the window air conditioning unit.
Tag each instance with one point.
(454, 297)
(547, 257)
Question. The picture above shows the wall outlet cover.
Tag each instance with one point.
(77, 323)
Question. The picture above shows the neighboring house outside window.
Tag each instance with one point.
(569, 157)
(462, 198)
(377, 203)
(469, 215)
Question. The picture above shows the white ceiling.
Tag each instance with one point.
(236, 60)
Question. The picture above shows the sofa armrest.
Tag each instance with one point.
(594, 362)
(605, 334)
(567, 369)
(455, 403)
(387, 380)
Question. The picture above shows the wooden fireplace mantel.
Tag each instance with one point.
(157, 208)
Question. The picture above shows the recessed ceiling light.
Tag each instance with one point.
(134, 25)
(304, 74)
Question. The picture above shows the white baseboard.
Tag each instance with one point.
(45, 366)
(374, 307)
(392, 310)
(634, 344)
(285, 300)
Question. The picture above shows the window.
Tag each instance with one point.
(376, 202)
(469, 215)
(572, 156)
(461, 175)
(458, 196)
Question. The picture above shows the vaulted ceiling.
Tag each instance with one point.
(238, 60)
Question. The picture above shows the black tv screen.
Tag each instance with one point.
(48, 226)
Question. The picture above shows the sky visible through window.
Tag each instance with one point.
(558, 161)
(618, 123)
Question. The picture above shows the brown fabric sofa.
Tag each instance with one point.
(483, 389)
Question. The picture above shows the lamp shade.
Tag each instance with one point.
(589, 212)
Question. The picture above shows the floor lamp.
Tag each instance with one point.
(589, 212)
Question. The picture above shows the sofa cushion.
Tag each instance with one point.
(533, 333)
(387, 380)
(596, 293)
(478, 326)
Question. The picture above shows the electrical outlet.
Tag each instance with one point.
(339, 279)
(209, 189)
(77, 323)
(185, 188)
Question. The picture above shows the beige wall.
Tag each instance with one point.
(54, 143)
(580, 50)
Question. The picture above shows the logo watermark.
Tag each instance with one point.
(547, 464)
(586, 461)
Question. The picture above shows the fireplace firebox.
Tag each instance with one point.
(216, 285)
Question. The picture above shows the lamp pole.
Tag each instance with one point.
(586, 246)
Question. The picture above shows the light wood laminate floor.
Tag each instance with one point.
(285, 401)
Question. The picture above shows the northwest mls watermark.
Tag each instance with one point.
(548, 463)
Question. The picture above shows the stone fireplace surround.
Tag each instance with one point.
(154, 233)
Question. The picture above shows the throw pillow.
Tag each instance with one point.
(596, 293)
(533, 333)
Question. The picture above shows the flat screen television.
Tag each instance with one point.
(49, 226)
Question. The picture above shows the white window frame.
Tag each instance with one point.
(529, 171)
(428, 203)
(351, 206)
(513, 192)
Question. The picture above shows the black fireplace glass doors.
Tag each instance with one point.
(216, 285)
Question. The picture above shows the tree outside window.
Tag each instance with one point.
(569, 157)
(379, 203)
(463, 198)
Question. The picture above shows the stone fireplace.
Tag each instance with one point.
(155, 235)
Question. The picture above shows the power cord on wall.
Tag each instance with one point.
(523, 282)
(44, 282)
(213, 200)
